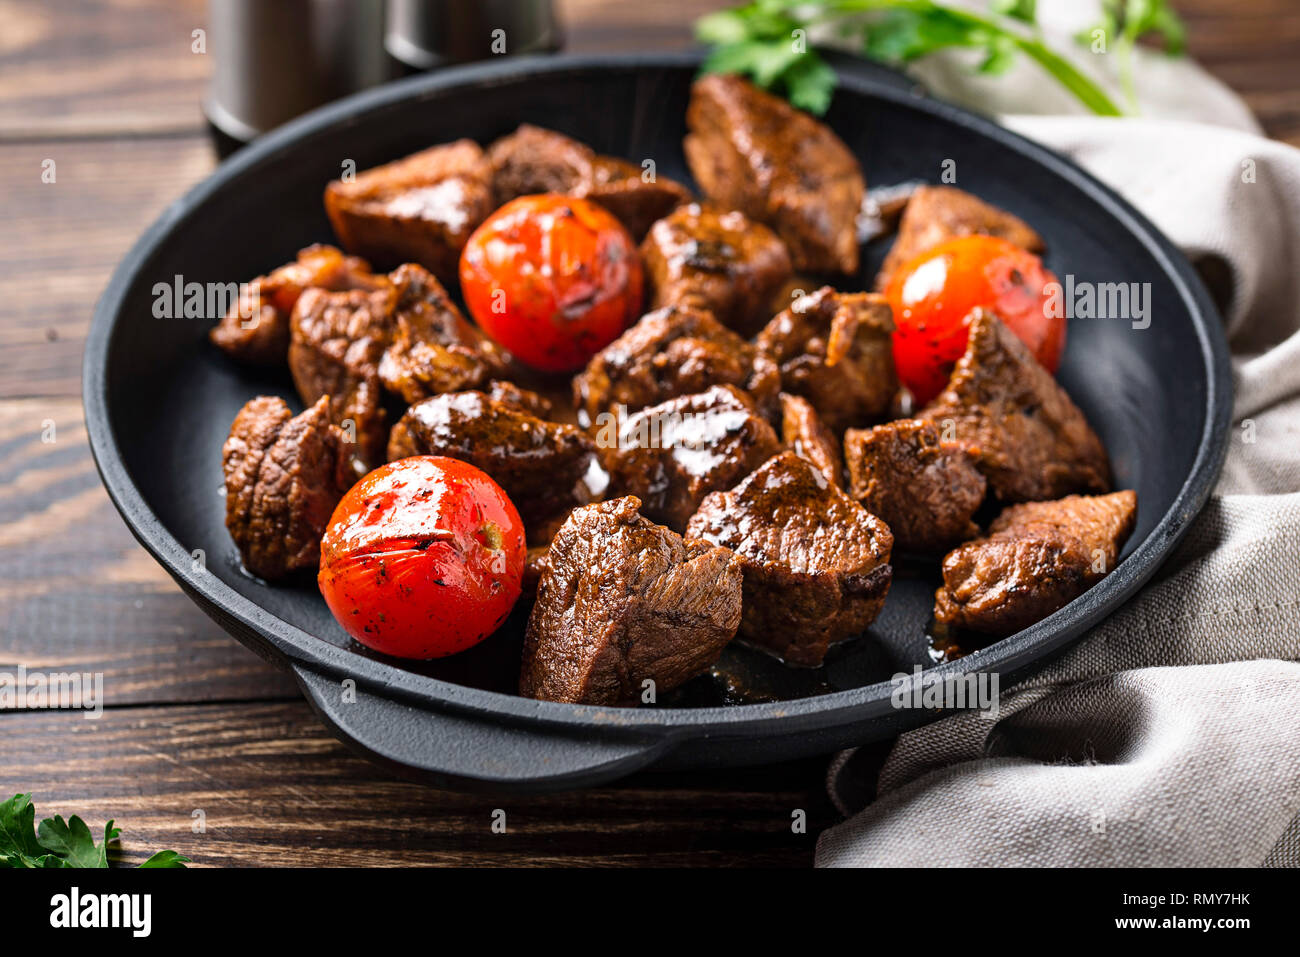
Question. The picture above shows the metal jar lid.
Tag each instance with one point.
(276, 59)
(424, 34)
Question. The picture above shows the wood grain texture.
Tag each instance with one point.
(63, 239)
(274, 789)
(77, 593)
(110, 90)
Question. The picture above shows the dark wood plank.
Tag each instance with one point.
(77, 593)
(275, 790)
(63, 239)
(100, 67)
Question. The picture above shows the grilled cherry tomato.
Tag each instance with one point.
(553, 279)
(933, 296)
(422, 558)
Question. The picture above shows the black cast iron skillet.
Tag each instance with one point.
(159, 402)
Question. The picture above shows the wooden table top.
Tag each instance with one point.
(110, 91)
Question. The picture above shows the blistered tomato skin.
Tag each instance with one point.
(553, 279)
(423, 558)
(932, 298)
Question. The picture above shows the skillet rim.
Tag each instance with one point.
(291, 646)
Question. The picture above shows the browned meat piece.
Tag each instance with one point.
(284, 476)
(337, 342)
(816, 563)
(256, 329)
(671, 352)
(935, 214)
(835, 349)
(418, 209)
(537, 160)
(1030, 441)
(621, 188)
(623, 602)
(544, 467)
(754, 152)
(434, 349)
(673, 454)
(720, 261)
(511, 394)
(537, 560)
(804, 434)
(793, 289)
(1037, 558)
(924, 489)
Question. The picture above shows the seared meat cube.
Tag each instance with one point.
(754, 152)
(537, 160)
(337, 342)
(1037, 558)
(804, 434)
(673, 454)
(536, 562)
(1031, 442)
(622, 189)
(720, 261)
(544, 467)
(925, 490)
(284, 476)
(671, 352)
(510, 394)
(936, 214)
(256, 329)
(434, 349)
(816, 563)
(418, 209)
(623, 601)
(835, 350)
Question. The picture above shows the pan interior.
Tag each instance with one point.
(172, 396)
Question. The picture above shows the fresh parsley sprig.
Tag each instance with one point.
(767, 40)
(59, 843)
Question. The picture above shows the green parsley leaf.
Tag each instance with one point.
(59, 843)
(73, 842)
(759, 40)
(1024, 10)
(166, 859)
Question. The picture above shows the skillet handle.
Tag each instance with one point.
(462, 753)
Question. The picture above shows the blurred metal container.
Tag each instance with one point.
(424, 34)
(275, 59)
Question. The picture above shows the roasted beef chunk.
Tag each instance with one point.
(803, 433)
(752, 151)
(671, 352)
(418, 209)
(526, 399)
(545, 467)
(623, 601)
(673, 454)
(835, 349)
(720, 261)
(256, 329)
(1030, 441)
(536, 160)
(1037, 557)
(434, 349)
(925, 490)
(816, 563)
(536, 562)
(337, 342)
(284, 475)
(935, 214)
